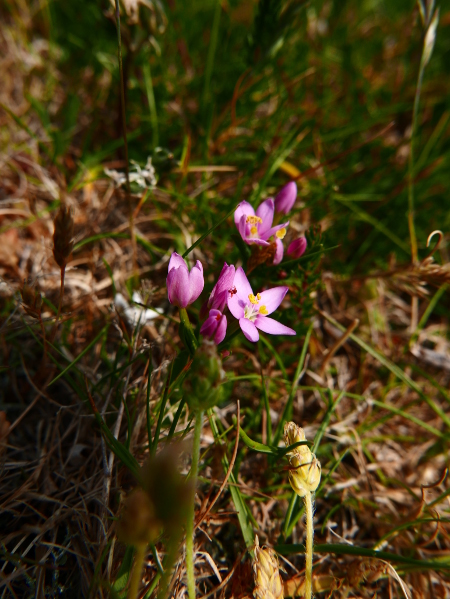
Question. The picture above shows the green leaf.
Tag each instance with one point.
(341, 549)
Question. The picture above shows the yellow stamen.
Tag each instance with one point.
(253, 299)
(253, 220)
(263, 310)
(281, 233)
(253, 230)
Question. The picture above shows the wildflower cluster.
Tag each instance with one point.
(233, 290)
(256, 227)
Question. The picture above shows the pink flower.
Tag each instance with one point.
(285, 199)
(215, 326)
(252, 311)
(219, 294)
(257, 228)
(279, 251)
(297, 247)
(184, 287)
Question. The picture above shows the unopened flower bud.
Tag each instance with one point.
(285, 199)
(220, 293)
(293, 434)
(215, 326)
(63, 236)
(268, 583)
(304, 467)
(304, 476)
(297, 247)
(184, 286)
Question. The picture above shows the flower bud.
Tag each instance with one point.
(293, 434)
(304, 467)
(219, 294)
(63, 236)
(268, 583)
(184, 287)
(215, 326)
(297, 247)
(285, 199)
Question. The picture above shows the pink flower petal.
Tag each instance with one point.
(221, 330)
(215, 326)
(242, 226)
(285, 199)
(178, 286)
(237, 301)
(226, 278)
(271, 326)
(272, 298)
(249, 329)
(176, 261)
(257, 241)
(265, 211)
(244, 208)
(279, 252)
(273, 230)
(242, 285)
(196, 282)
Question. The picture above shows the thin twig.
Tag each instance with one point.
(58, 314)
(229, 471)
(338, 344)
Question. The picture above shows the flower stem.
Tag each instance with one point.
(136, 576)
(187, 332)
(309, 544)
(171, 556)
(61, 295)
(191, 516)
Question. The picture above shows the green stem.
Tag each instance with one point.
(171, 556)
(187, 332)
(58, 314)
(288, 517)
(151, 104)
(136, 576)
(309, 545)
(149, 416)
(122, 94)
(190, 556)
(185, 318)
(412, 231)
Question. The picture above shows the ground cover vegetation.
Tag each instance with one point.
(221, 221)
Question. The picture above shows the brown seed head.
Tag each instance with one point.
(63, 236)
(138, 523)
(32, 300)
(268, 583)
